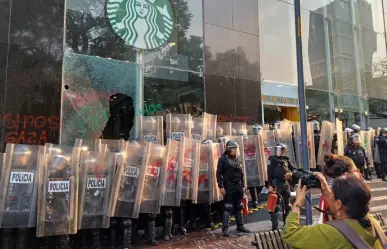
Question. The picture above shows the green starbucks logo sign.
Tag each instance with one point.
(145, 24)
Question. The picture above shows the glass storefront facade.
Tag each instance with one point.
(62, 60)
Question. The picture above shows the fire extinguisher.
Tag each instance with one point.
(245, 202)
(271, 201)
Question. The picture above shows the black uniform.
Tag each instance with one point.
(382, 146)
(316, 145)
(359, 157)
(229, 176)
(276, 170)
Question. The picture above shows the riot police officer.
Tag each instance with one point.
(279, 171)
(316, 134)
(230, 179)
(358, 155)
(255, 191)
(381, 140)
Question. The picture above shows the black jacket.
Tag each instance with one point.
(382, 146)
(357, 154)
(229, 173)
(276, 169)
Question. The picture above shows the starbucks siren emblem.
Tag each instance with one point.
(145, 24)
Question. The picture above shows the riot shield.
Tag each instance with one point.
(198, 127)
(19, 182)
(155, 156)
(266, 127)
(372, 147)
(204, 186)
(216, 152)
(310, 143)
(284, 135)
(223, 129)
(250, 130)
(255, 161)
(112, 145)
(58, 191)
(2, 162)
(268, 138)
(178, 126)
(240, 151)
(210, 126)
(238, 129)
(171, 187)
(188, 168)
(95, 179)
(128, 184)
(325, 146)
(340, 137)
(150, 129)
(365, 141)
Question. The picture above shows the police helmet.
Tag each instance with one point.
(355, 138)
(277, 125)
(231, 145)
(355, 128)
(207, 141)
(348, 130)
(316, 125)
(281, 149)
(257, 129)
(369, 129)
(383, 131)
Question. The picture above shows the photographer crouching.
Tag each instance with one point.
(279, 171)
(348, 200)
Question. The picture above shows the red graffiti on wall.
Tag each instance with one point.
(28, 129)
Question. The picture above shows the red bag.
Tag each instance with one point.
(245, 202)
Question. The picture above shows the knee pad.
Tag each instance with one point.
(126, 223)
(228, 207)
(169, 213)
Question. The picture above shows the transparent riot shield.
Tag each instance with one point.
(19, 182)
(150, 129)
(95, 179)
(326, 136)
(178, 126)
(340, 137)
(238, 129)
(171, 187)
(365, 141)
(240, 151)
(284, 135)
(223, 129)
(188, 168)
(112, 145)
(58, 191)
(128, 184)
(204, 186)
(255, 161)
(198, 127)
(268, 138)
(310, 144)
(2, 162)
(155, 156)
(210, 126)
(250, 130)
(372, 147)
(216, 152)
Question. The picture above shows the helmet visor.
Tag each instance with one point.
(355, 139)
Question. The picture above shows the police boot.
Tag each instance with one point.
(181, 229)
(168, 224)
(127, 229)
(151, 225)
(208, 212)
(239, 221)
(254, 197)
(368, 174)
(64, 242)
(6, 238)
(226, 219)
(113, 233)
(378, 170)
(274, 220)
(95, 238)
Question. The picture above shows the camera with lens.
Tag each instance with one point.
(307, 179)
